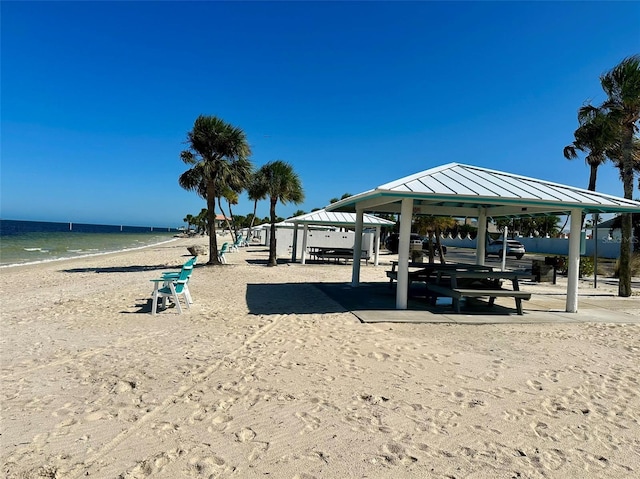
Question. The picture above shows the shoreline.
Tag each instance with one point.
(80, 257)
(266, 375)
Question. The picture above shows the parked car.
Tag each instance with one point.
(514, 248)
(391, 243)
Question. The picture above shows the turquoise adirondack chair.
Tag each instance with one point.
(222, 252)
(173, 288)
(239, 242)
(176, 274)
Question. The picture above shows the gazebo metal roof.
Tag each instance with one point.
(335, 218)
(459, 190)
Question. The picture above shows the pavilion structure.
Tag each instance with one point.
(458, 190)
(335, 219)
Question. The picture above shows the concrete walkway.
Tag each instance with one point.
(375, 303)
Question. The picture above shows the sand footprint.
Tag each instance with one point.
(311, 423)
(536, 385)
(209, 466)
(248, 435)
(541, 429)
(245, 435)
(395, 454)
(153, 465)
(379, 356)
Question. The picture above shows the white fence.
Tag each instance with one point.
(607, 247)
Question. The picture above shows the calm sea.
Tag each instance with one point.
(24, 242)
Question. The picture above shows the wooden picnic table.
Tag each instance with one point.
(425, 271)
(322, 253)
(475, 284)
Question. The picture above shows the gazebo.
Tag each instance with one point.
(339, 219)
(459, 190)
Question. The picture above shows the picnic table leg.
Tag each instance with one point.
(516, 287)
(519, 306)
(456, 304)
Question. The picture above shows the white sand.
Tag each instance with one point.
(94, 386)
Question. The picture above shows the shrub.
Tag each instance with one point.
(586, 266)
(635, 265)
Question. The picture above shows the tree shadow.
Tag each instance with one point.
(265, 262)
(122, 269)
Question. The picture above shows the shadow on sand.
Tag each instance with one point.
(362, 301)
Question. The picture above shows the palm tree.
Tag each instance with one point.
(594, 136)
(279, 182)
(255, 192)
(218, 154)
(622, 86)
(202, 222)
(189, 220)
(432, 226)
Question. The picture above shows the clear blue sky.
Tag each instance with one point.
(97, 97)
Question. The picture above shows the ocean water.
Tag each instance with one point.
(23, 242)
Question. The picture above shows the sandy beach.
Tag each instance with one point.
(266, 376)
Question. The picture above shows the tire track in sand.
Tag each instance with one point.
(194, 381)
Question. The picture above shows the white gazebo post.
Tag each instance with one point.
(481, 238)
(376, 246)
(305, 231)
(357, 248)
(402, 292)
(294, 247)
(573, 268)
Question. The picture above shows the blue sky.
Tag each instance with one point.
(97, 97)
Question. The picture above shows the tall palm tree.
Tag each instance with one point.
(278, 181)
(189, 220)
(218, 154)
(255, 192)
(594, 136)
(622, 86)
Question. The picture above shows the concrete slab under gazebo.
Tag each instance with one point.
(459, 190)
(336, 219)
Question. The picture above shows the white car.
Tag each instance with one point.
(514, 248)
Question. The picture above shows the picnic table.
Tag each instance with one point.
(460, 280)
(426, 271)
(476, 284)
(322, 253)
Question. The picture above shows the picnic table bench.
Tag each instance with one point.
(426, 270)
(476, 284)
(337, 254)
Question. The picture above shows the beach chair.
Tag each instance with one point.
(172, 289)
(174, 275)
(222, 252)
(234, 247)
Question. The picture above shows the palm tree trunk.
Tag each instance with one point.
(439, 246)
(626, 172)
(273, 260)
(253, 219)
(226, 220)
(593, 173)
(211, 218)
(233, 222)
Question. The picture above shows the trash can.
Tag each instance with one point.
(542, 271)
